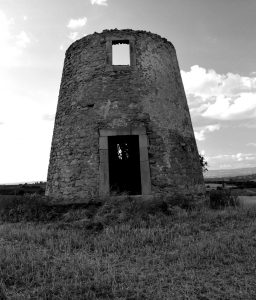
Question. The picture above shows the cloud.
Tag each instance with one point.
(221, 97)
(251, 144)
(77, 23)
(202, 152)
(23, 40)
(11, 45)
(99, 2)
(248, 124)
(73, 35)
(237, 157)
(49, 117)
(226, 108)
(201, 131)
(237, 160)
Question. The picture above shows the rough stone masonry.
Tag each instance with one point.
(144, 102)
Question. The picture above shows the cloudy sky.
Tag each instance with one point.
(215, 43)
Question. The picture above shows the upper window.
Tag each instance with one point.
(121, 53)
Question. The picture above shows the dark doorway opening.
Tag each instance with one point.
(124, 164)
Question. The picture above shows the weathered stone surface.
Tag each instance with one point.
(148, 97)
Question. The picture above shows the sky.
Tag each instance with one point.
(215, 43)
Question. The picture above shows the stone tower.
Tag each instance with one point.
(122, 128)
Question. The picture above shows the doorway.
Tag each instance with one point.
(124, 164)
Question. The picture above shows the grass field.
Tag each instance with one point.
(248, 201)
(207, 254)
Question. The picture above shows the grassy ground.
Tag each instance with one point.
(248, 201)
(203, 255)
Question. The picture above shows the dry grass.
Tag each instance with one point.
(247, 201)
(184, 255)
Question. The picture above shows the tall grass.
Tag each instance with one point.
(181, 255)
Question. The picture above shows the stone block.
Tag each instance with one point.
(145, 178)
(103, 143)
(138, 131)
(104, 173)
(143, 141)
(143, 154)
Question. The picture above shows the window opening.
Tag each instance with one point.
(121, 53)
(124, 164)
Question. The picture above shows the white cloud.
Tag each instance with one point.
(199, 135)
(48, 117)
(11, 45)
(242, 156)
(216, 96)
(251, 144)
(25, 18)
(77, 23)
(23, 40)
(251, 124)
(201, 131)
(226, 108)
(99, 2)
(238, 156)
(237, 160)
(73, 35)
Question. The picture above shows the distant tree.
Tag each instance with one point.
(203, 163)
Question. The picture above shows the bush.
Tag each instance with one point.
(129, 208)
(222, 198)
(186, 202)
(25, 208)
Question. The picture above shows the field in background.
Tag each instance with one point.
(247, 201)
(242, 186)
(21, 189)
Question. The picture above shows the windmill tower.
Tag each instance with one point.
(122, 128)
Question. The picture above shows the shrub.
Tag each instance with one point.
(25, 208)
(222, 198)
(129, 208)
(186, 202)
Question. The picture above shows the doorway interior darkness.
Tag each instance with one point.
(124, 164)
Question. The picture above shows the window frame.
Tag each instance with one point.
(109, 52)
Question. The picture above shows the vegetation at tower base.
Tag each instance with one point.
(98, 100)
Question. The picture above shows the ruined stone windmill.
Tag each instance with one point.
(122, 128)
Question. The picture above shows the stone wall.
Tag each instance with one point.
(95, 95)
